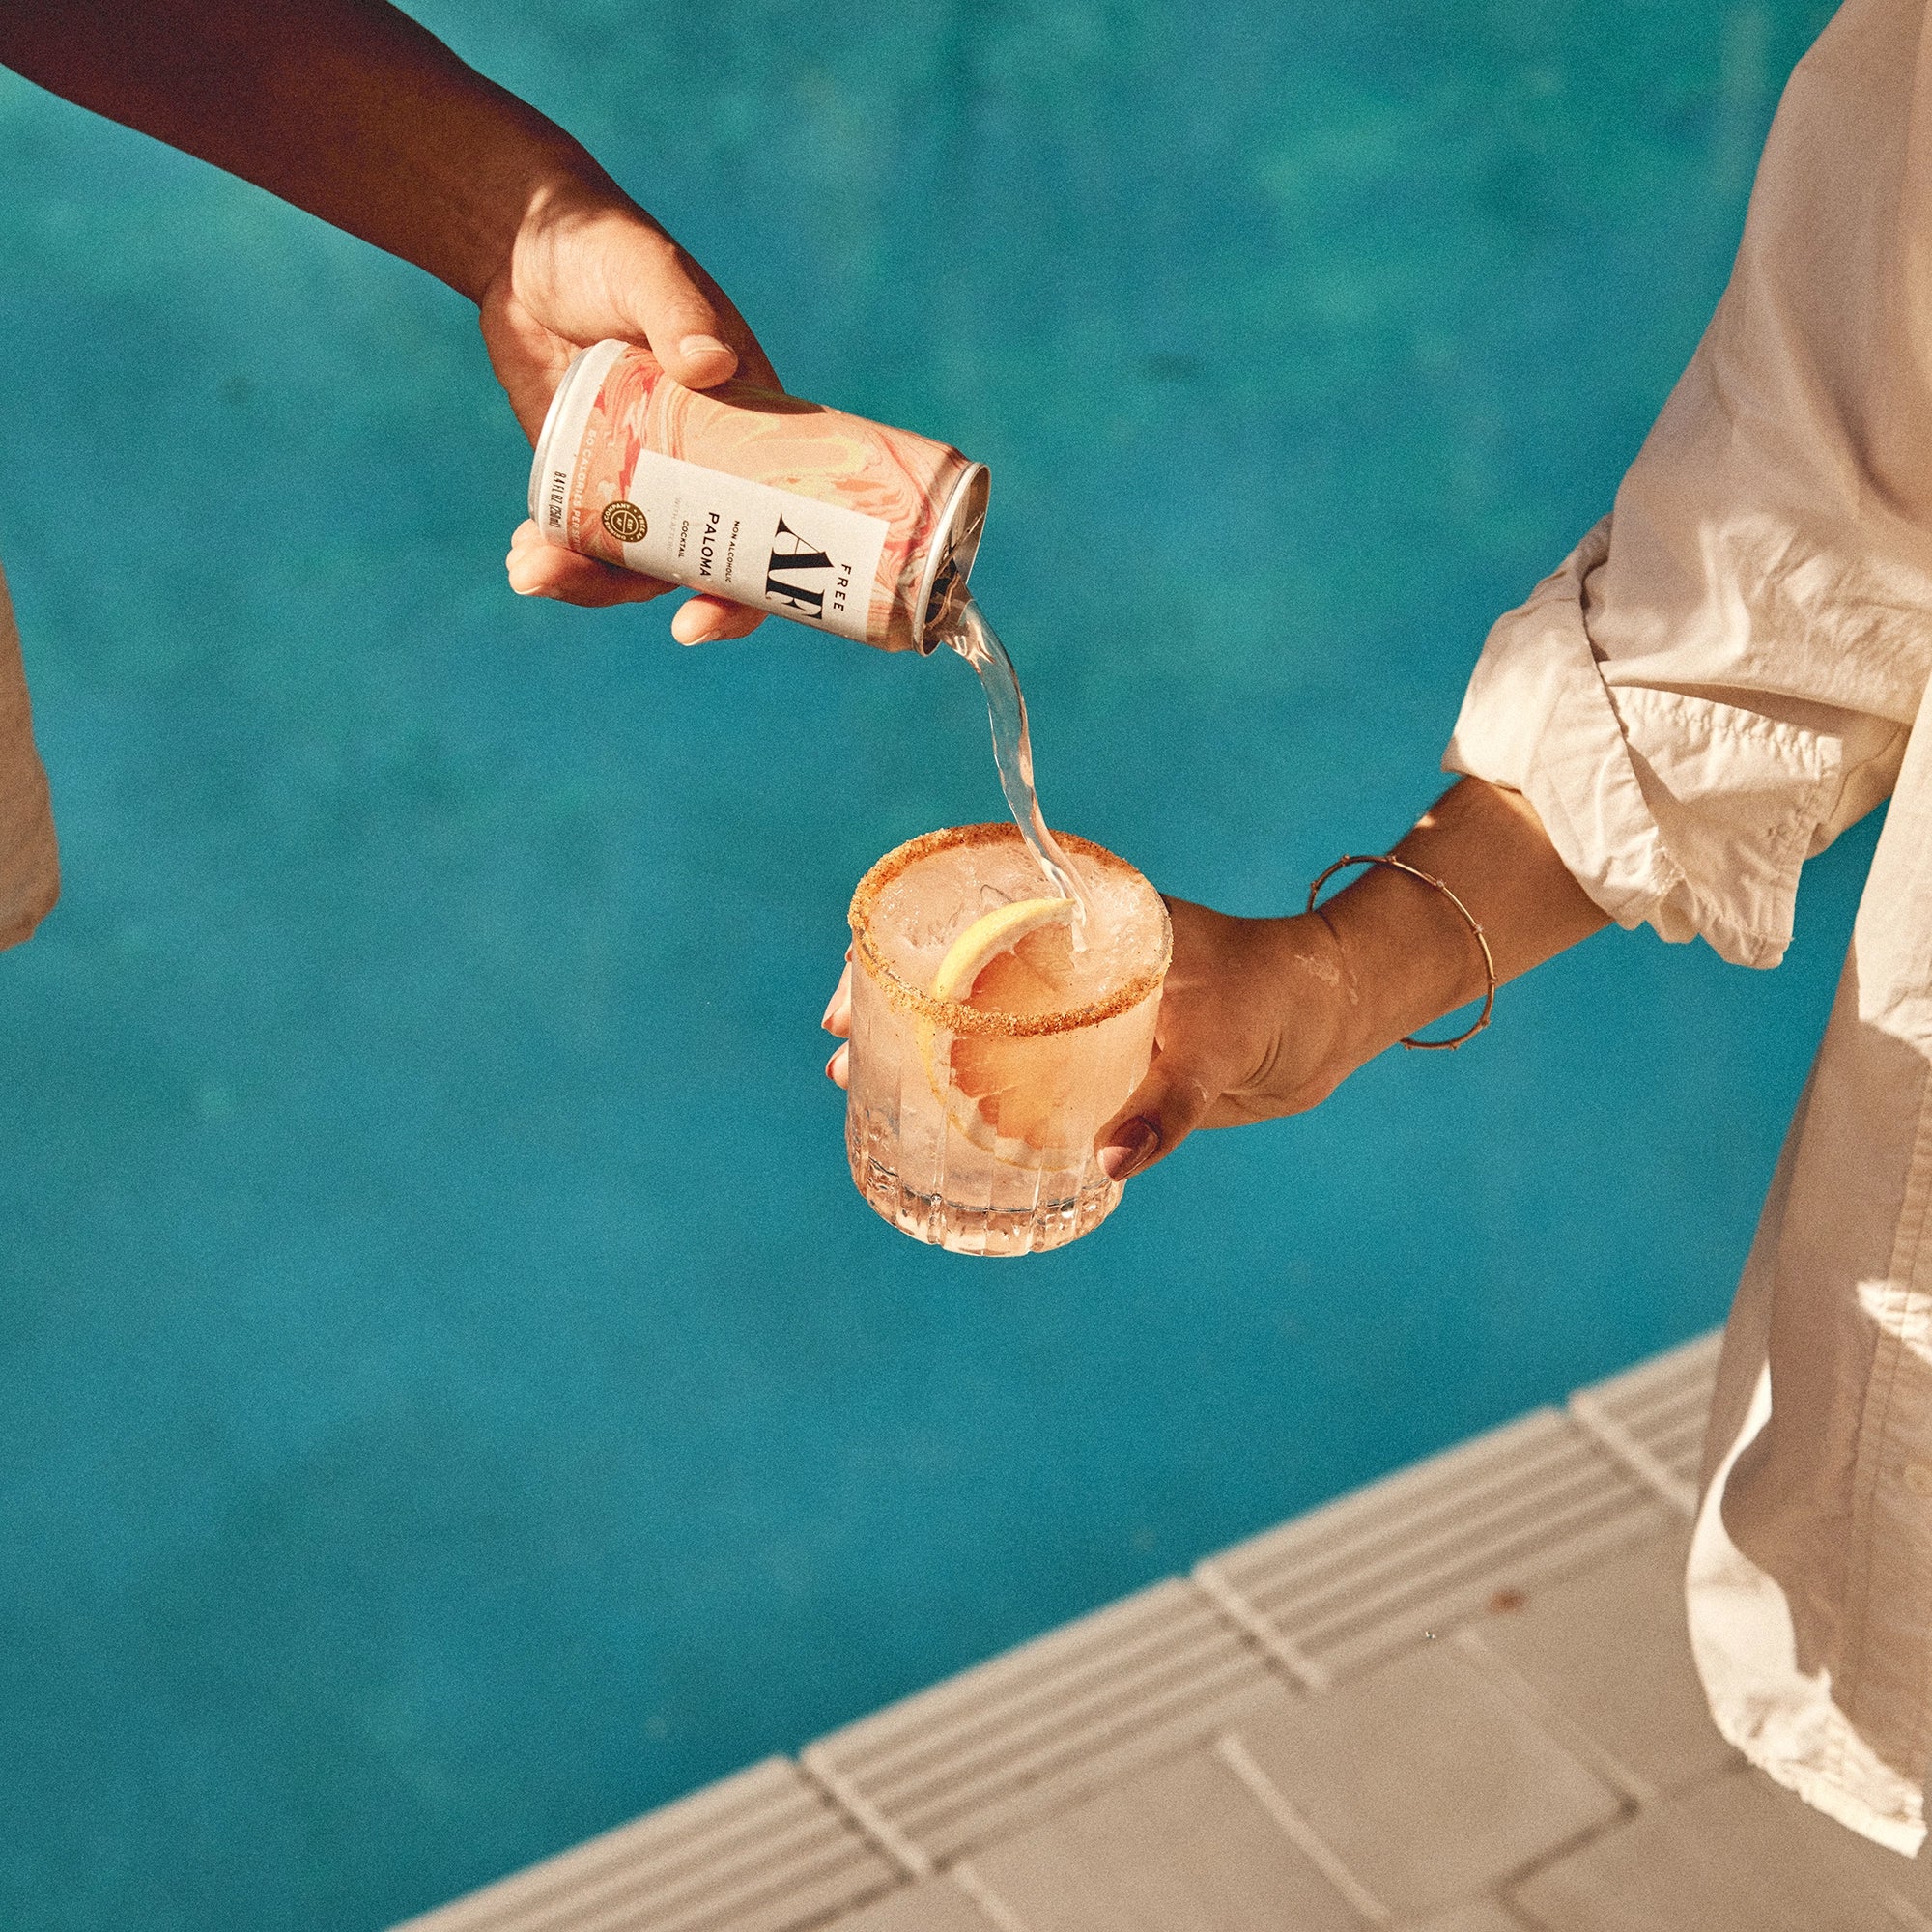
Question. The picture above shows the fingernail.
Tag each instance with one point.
(702, 345)
(1133, 1145)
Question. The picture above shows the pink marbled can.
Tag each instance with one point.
(758, 497)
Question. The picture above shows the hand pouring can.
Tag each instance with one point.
(759, 497)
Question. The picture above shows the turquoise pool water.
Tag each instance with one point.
(452, 1398)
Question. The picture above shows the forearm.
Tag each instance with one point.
(344, 107)
(1408, 957)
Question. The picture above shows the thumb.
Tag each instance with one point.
(674, 306)
(1162, 1111)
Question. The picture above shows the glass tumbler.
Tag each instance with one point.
(972, 1126)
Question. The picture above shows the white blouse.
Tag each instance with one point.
(1730, 669)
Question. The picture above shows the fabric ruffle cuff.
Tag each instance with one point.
(1691, 815)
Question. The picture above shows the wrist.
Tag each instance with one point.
(513, 228)
(1318, 1018)
(1408, 956)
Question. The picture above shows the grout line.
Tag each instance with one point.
(1561, 1728)
(1257, 1629)
(982, 1894)
(1534, 1866)
(862, 1813)
(1555, 1855)
(1596, 1421)
(1233, 1753)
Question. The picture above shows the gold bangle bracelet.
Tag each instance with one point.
(1428, 879)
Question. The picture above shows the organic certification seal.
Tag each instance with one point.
(626, 522)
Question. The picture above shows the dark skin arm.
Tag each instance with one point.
(1261, 1018)
(348, 109)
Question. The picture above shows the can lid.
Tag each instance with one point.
(564, 420)
(955, 542)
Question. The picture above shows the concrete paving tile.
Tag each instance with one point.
(1425, 1549)
(933, 1905)
(1908, 1880)
(1607, 1648)
(1760, 1811)
(1653, 1415)
(1427, 1782)
(759, 1852)
(1182, 1848)
(1735, 1855)
(1911, 1879)
(1485, 1915)
(988, 1752)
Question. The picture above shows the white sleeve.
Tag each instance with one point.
(1722, 675)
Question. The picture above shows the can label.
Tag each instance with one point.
(797, 555)
(751, 496)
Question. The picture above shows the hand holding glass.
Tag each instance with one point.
(987, 1046)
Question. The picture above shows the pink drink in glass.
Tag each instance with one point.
(970, 1122)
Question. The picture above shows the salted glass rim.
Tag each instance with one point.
(956, 1015)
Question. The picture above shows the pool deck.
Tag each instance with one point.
(1459, 1700)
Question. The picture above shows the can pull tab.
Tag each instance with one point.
(964, 523)
(944, 605)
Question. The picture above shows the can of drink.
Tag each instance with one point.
(759, 497)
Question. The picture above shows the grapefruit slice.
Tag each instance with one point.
(1015, 959)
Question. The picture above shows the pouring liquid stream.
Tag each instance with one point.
(972, 637)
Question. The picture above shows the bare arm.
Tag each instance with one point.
(1261, 1018)
(348, 109)
(1268, 1016)
(345, 107)
(1410, 958)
